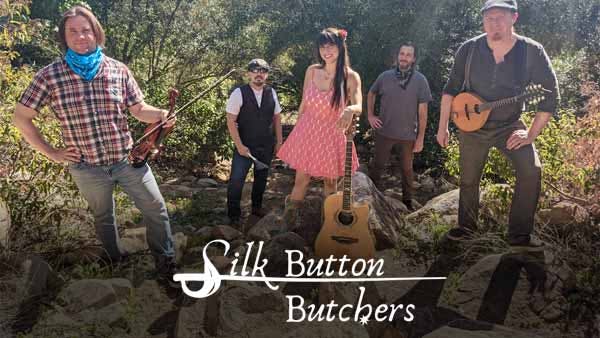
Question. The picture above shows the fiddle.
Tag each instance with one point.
(150, 144)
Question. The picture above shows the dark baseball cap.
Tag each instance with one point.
(506, 4)
(258, 64)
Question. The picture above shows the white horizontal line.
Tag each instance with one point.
(202, 277)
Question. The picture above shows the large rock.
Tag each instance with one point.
(447, 205)
(328, 330)
(564, 214)
(266, 227)
(274, 252)
(385, 221)
(538, 296)
(226, 232)
(93, 294)
(247, 308)
(178, 190)
(191, 320)
(135, 241)
(494, 332)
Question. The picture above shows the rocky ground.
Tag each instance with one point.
(86, 297)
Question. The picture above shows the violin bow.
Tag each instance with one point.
(174, 113)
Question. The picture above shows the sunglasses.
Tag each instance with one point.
(259, 70)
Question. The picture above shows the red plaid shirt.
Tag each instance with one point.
(91, 114)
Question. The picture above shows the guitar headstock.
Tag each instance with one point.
(353, 128)
(535, 93)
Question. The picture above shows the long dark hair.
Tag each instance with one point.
(337, 37)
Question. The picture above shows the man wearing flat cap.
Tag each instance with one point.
(500, 64)
(254, 124)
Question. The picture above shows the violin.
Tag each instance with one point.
(150, 145)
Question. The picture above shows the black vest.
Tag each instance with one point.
(255, 124)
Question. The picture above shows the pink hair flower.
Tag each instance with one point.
(343, 34)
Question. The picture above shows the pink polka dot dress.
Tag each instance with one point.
(315, 146)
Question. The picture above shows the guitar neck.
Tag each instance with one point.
(500, 103)
(347, 204)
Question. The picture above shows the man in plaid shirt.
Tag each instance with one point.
(89, 94)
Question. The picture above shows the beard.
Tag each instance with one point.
(404, 66)
(496, 36)
(258, 82)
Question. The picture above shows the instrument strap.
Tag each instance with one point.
(467, 82)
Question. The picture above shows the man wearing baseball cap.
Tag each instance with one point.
(254, 124)
(497, 65)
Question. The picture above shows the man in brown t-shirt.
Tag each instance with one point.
(404, 94)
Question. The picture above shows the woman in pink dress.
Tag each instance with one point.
(316, 147)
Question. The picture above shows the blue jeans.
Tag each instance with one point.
(96, 184)
(240, 166)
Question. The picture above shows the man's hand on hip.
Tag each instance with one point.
(375, 122)
(442, 137)
(418, 147)
(243, 150)
(518, 139)
(67, 155)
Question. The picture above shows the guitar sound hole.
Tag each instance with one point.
(345, 218)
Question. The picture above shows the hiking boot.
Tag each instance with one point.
(527, 243)
(259, 212)
(459, 233)
(234, 222)
(166, 270)
(292, 213)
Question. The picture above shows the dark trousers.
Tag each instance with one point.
(474, 148)
(240, 166)
(383, 149)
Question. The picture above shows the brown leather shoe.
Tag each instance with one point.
(259, 212)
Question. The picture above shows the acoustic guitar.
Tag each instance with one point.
(345, 228)
(470, 112)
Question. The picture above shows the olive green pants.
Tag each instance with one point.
(474, 148)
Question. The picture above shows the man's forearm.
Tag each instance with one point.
(445, 107)
(539, 122)
(371, 103)
(233, 132)
(422, 121)
(32, 134)
(277, 127)
(148, 113)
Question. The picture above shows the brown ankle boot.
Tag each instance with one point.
(292, 212)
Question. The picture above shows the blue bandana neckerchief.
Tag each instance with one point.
(86, 65)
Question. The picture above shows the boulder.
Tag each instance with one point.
(191, 320)
(494, 332)
(538, 297)
(135, 241)
(266, 227)
(206, 183)
(447, 204)
(444, 204)
(274, 252)
(565, 213)
(385, 221)
(178, 190)
(328, 330)
(226, 232)
(246, 308)
(93, 294)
